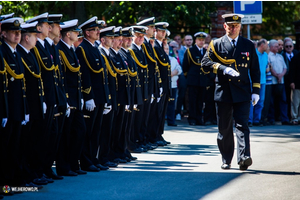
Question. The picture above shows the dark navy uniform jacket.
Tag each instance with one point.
(112, 82)
(16, 87)
(192, 66)
(3, 90)
(49, 77)
(243, 59)
(123, 92)
(62, 100)
(152, 74)
(142, 72)
(94, 85)
(72, 79)
(165, 71)
(34, 87)
(135, 86)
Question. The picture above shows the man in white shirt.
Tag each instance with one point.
(278, 70)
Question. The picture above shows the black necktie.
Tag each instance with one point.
(290, 57)
(233, 42)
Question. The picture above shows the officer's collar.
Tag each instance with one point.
(105, 49)
(159, 42)
(12, 49)
(146, 38)
(139, 47)
(126, 50)
(42, 42)
(230, 39)
(27, 51)
(66, 44)
(49, 41)
(114, 50)
(89, 42)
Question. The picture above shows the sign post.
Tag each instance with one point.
(251, 10)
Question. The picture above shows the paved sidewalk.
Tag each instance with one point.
(189, 169)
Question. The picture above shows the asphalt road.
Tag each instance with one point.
(189, 169)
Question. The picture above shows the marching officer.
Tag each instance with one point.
(234, 61)
(135, 92)
(123, 96)
(35, 98)
(62, 108)
(154, 85)
(95, 91)
(46, 64)
(106, 156)
(72, 139)
(17, 106)
(196, 78)
(140, 59)
(165, 74)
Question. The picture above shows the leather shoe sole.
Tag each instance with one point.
(225, 166)
(80, 172)
(91, 168)
(245, 163)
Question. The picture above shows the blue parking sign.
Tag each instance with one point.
(247, 7)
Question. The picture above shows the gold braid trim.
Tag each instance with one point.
(3, 72)
(88, 64)
(87, 90)
(13, 74)
(110, 70)
(199, 64)
(145, 49)
(33, 74)
(109, 67)
(136, 60)
(163, 64)
(67, 63)
(257, 85)
(41, 63)
(132, 74)
(119, 71)
(224, 61)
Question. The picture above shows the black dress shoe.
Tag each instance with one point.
(167, 142)
(39, 181)
(46, 178)
(192, 123)
(225, 166)
(286, 123)
(101, 167)
(69, 173)
(136, 150)
(172, 124)
(160, 143)
(250, 124)
(119, 160)
(110, 164)
(91, 168)
(245, 163)
(80, 172)
(56, 177)
(34, 185)
(133, 158)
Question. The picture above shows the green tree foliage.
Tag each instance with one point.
(183, 16)
(278, 18)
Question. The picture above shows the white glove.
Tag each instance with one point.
(44, 107)
(26, 118)
(107, 109)
(90, 105)
(4, 121)
(254, 99)
(82, 103)
(24, 122)
(55, 105)
(158, 99)
(127, 107)
(152, 98)
(230, 72)
(68, 111)
(135, 106)
(160, 91)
